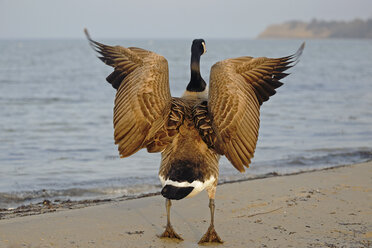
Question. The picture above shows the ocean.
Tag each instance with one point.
(56, 131)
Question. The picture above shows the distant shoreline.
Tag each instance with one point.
(316, 29)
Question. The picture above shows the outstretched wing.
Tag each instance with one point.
(237, 89)
(143, 97)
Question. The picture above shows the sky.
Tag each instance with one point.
(164, 19)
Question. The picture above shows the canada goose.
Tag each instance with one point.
(192, 131)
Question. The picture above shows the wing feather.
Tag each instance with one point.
(237, 89)
(143, 98)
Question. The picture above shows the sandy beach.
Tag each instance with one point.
(327, 208)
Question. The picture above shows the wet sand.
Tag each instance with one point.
(327, 208)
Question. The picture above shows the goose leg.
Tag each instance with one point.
(169, 232)
(211, 234)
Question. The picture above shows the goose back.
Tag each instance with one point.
(188, 158)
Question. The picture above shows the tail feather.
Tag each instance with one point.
(175, 193)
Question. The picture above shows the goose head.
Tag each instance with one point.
(198, 47)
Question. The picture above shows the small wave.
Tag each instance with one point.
(39, 100)
(321, 158)
(8, 81)
(332, 157)
(339, 149)
(60, 150)
(15, 199)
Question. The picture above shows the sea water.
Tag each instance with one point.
(56, 131)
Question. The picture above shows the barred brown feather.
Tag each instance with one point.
(143, 98)
(203, 123)
(237, 88)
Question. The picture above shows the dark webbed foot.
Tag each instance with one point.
(170, 233)
(210, 236)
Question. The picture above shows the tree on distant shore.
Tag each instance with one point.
(320, 29)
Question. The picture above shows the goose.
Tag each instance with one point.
(194, 130)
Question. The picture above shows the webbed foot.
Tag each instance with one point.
(170, 233)
(210, 236)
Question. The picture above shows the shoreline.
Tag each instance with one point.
(330, 207)
(48, 206)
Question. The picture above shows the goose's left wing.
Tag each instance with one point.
(237, 89)
(143, 97)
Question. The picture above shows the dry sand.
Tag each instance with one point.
(328, 208)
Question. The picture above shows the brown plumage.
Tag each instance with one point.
(193, 131)
(238, 87)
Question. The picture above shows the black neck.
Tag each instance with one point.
(196, 83)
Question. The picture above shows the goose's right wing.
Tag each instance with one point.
(143, 97)
(237, 89)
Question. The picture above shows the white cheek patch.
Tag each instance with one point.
(198, 185)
